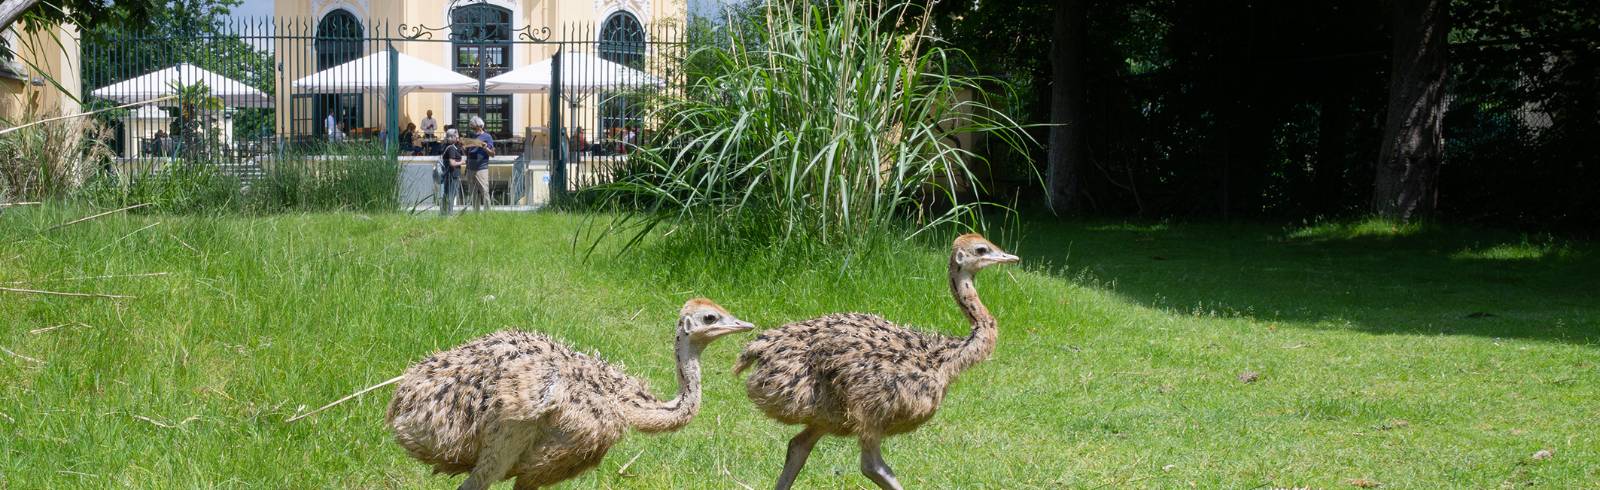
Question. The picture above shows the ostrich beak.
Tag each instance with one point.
(1005, 258)
(734, 326)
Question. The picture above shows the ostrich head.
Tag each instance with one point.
(971, 252)
(702, 321)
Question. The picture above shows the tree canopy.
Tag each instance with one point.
(1277, 110)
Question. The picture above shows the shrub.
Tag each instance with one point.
(357, 177)
(51, 159)
(825, 124)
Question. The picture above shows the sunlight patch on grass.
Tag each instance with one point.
(1367, 228)
(1132, 227)
(1516, 251)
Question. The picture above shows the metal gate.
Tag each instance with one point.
(564, 107)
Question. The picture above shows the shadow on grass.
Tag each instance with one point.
(1368, 276)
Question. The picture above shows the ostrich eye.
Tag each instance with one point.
(982, 250)
(708, 319)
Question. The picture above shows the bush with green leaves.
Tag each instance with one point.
(828, 124)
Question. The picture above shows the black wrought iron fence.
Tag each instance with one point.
(249, 98)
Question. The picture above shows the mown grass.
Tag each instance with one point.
(1422, 359)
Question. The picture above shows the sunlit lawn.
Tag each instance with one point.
(1416, 357)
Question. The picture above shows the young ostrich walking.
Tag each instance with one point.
(518, 404)
(854, 374)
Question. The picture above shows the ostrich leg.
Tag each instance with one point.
(521, 484)
(873, 466)
(799, 448)
(498, 454)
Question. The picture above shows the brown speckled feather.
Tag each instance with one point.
(518, 404)
(860, 375)
(848, 372)
(448, 403)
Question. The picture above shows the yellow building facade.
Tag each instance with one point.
(505, 114)
(26, 74)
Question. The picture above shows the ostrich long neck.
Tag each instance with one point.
(977, 346)
(648, 414)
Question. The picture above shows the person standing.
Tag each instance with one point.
(429, 125)
(450, 163)
(332, 125)
(478, 165)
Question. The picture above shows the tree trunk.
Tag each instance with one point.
(1413, 135)
(1066, 152)
(11, 9)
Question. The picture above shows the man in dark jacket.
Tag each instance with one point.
(450, 163)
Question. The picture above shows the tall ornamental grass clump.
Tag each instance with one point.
(815, 123)
(345, 177)
(50, 160)
(341, 177)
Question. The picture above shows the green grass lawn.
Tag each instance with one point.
(1415, 358)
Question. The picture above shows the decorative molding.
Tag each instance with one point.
(639, 8)
(358, 8)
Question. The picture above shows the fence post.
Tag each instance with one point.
(558, 134)
(391, 123)
(519, 170)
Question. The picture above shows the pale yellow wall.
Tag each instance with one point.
(528, 109)
(49, 60)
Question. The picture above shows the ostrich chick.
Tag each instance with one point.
(520, 405)
(859, 375)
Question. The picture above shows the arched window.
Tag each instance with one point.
(340, 40)
(480, 35)
(621, 42)
(622, 39)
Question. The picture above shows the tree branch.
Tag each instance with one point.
(10, 10)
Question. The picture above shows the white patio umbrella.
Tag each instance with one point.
(579, 72)
(164, 82)
(371, 73)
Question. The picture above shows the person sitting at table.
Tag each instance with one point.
(630, 137)
(409, 141)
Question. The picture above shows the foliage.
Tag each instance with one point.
(50, 159)
(197, 32)
(192, 128)
(355, 177)
(180, 186)
(50, 13)
(1275, 110)
(823, 129)
(350, 177)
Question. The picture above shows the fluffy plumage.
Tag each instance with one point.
(519, 404)
(861, 375)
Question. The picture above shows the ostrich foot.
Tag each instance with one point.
(873, 466)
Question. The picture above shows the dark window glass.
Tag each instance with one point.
(339, 40)
(494, 109)
(622, 40)
(481, 37)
